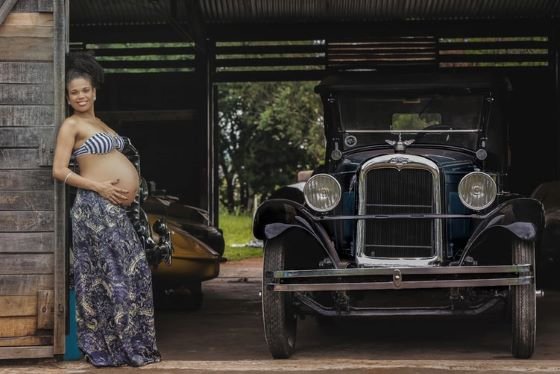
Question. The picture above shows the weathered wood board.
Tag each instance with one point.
(29, 242)
(26, 352)
(25, 180)
(26, 221)
(13, 306)
(26, 115)
(22, 285)
(27, 198)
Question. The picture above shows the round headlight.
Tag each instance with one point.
(477, 190)
(322, 192)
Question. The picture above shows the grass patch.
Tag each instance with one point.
(238, 230)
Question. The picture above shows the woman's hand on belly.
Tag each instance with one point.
(111, 192)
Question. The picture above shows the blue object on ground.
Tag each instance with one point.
(72, 352)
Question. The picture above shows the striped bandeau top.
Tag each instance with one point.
(100, 143)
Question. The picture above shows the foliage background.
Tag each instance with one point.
(268, 132)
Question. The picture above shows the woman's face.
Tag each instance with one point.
(81, 95)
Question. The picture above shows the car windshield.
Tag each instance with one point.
(429, 119)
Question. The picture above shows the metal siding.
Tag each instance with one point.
(275, 11)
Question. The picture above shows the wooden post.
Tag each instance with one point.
(60, 292)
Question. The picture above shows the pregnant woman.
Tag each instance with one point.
(112, 277)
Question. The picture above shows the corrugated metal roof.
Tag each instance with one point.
(374, 10)
(294, 11)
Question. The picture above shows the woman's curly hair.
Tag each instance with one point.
(83, 65)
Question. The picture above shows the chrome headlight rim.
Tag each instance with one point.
(462, 188)
(308, 193)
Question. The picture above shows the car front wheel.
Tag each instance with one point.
(279, 318)
(523, 304)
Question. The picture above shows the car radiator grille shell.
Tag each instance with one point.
(399, 191)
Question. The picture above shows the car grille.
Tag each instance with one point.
(390, 191)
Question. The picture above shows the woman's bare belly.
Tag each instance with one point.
(111, 166)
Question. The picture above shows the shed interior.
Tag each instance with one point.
(164, 59)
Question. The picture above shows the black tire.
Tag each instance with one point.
(523, 305)
(279, 318)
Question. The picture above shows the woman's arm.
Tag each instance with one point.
(62, 153)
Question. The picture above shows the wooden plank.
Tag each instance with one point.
(12, 263)
(24, 136)
(26, 115)
(26, 72)
(26, 341)
(33, 6)
(17, 326)
(29, 19)
(32, 94)
(19, 158)
(45, 310)
(25, 180)
(26, 352)
(21, 48)
(12, 306)
(26, 221)
(11, 31)
(24, 285)
(62, 12)
(26, 242)
(26, 200)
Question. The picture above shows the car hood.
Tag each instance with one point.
(444, 158)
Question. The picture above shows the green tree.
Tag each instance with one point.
(268, 132)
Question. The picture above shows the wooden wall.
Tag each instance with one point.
(27, 217)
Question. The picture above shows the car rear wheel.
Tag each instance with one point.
(279, 318)
(523, 304)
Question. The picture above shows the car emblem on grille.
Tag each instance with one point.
(399, 161)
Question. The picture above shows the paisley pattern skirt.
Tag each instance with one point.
(113, 284)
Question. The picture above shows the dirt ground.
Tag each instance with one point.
(226, 336)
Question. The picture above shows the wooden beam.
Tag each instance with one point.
(61, 14)
(157, 51)
(270, 49)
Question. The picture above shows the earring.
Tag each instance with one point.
(94, 98)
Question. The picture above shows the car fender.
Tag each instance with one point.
(521, 218)
(275, 216)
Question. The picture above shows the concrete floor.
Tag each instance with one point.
(226, 336)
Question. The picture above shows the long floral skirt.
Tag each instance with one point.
(113, 284)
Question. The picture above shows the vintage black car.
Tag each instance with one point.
(411, 213)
